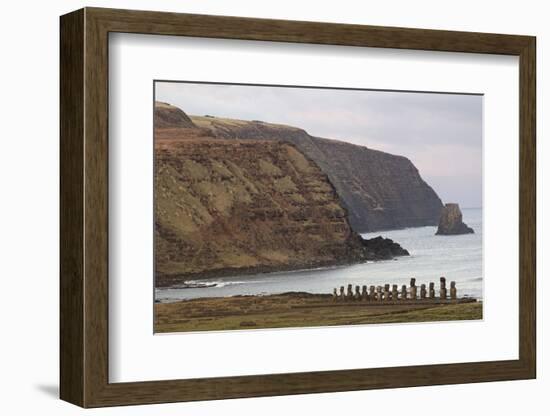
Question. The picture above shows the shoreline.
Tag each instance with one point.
(203, 283)
(370, 249)
(302, 309)
(177, 281)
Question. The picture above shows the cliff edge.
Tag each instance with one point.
(231, 206)
(379, 190)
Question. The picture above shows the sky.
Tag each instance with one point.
(440, 133)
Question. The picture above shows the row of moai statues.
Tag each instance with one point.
(385, 293)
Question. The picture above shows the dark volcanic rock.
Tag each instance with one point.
(450, 222)
(383, 248)
(380, 191)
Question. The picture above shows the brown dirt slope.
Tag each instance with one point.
(234, 206)
(168, 116)
(379, 190)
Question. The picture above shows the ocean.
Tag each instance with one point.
(458, 258)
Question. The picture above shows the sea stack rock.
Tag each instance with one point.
(450, 222)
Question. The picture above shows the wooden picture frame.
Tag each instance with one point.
(84, 207)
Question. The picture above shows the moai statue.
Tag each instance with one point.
(413, 291)
(453, 290)
(357, 292)
(443, 288)
(342, 293)
(349, 293)
(364, 293)
(387, 293)
(335, 295)
(372, 293)
(394, 293)
(404, 292)
(413, 288)
(422, 291)
(431, 293)
(379, 294)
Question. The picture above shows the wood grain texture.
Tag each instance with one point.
(527, 208)
(84, 207)
(96, 218)
(71, 213)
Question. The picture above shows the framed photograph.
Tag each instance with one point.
(254, 207)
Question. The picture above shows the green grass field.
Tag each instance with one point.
(297, 310)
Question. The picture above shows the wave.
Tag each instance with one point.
(205, 284)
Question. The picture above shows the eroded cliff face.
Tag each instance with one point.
(226, 204)
(380, 191)
(241, 206)
(450, 222)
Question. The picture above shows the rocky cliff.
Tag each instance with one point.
(169, 116)
(451, 223)
(231, 206)
(379, 190)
